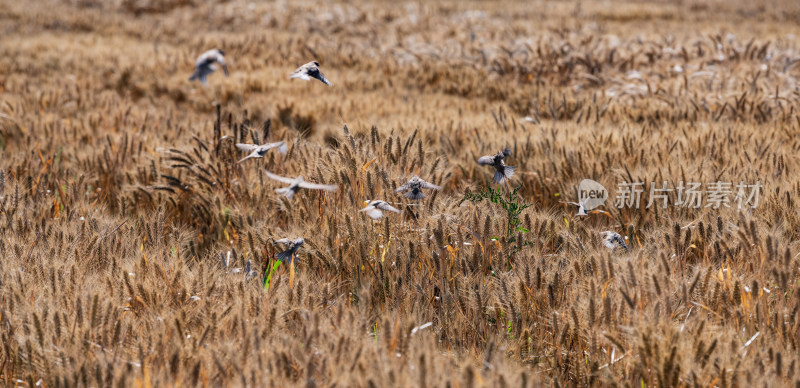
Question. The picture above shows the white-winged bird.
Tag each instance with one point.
(414, 187)
(258, 151)
(613, 240)
(308, 71)
(502, 172)
(375, 209)
(297, 183)
(581, 207)
(206, 64)
(292, 247)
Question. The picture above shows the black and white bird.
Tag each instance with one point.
(308, 71)
(296, 184)
(207, 63)
(292, 246)
(502, 172)
(414, 188)
(613, 240)
(258, 151)
(376, 208)
(249, 273)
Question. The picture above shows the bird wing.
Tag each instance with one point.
(402, 188)
(246, 147)
(278, 177)
(269, 146)
(300, 75)
(221, 60)
(201, 71)
(315, 186)
(486, 160)
(302, 71)
(427, 185)
(506, 152)
(387, 207)
(374, 213)
(203, 58)
(315, 73)
(283, 241)
(252, 155)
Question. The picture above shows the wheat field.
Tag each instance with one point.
(121, 198)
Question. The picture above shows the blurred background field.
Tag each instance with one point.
(119, 202)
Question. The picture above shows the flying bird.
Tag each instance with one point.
(292, 247)
(581, 207)
(375, 209)
(502, 172)
(308, 71)
(414, 187)
(249, 273)
(206, 64)
(297, 183)
(612, 240)
(258, 151)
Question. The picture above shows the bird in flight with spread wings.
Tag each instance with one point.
(414, 188)
(258, 151)
(502, 172)
(376, 208)
(207, 63)
(308, 71)
(296, 184)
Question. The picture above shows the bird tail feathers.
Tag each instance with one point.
(504, 173)
(286, 255)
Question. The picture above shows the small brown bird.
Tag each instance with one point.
(206, 64)
(308, 71)
(415, 186)
(497, 161)
(258, 151)
(297, 183)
